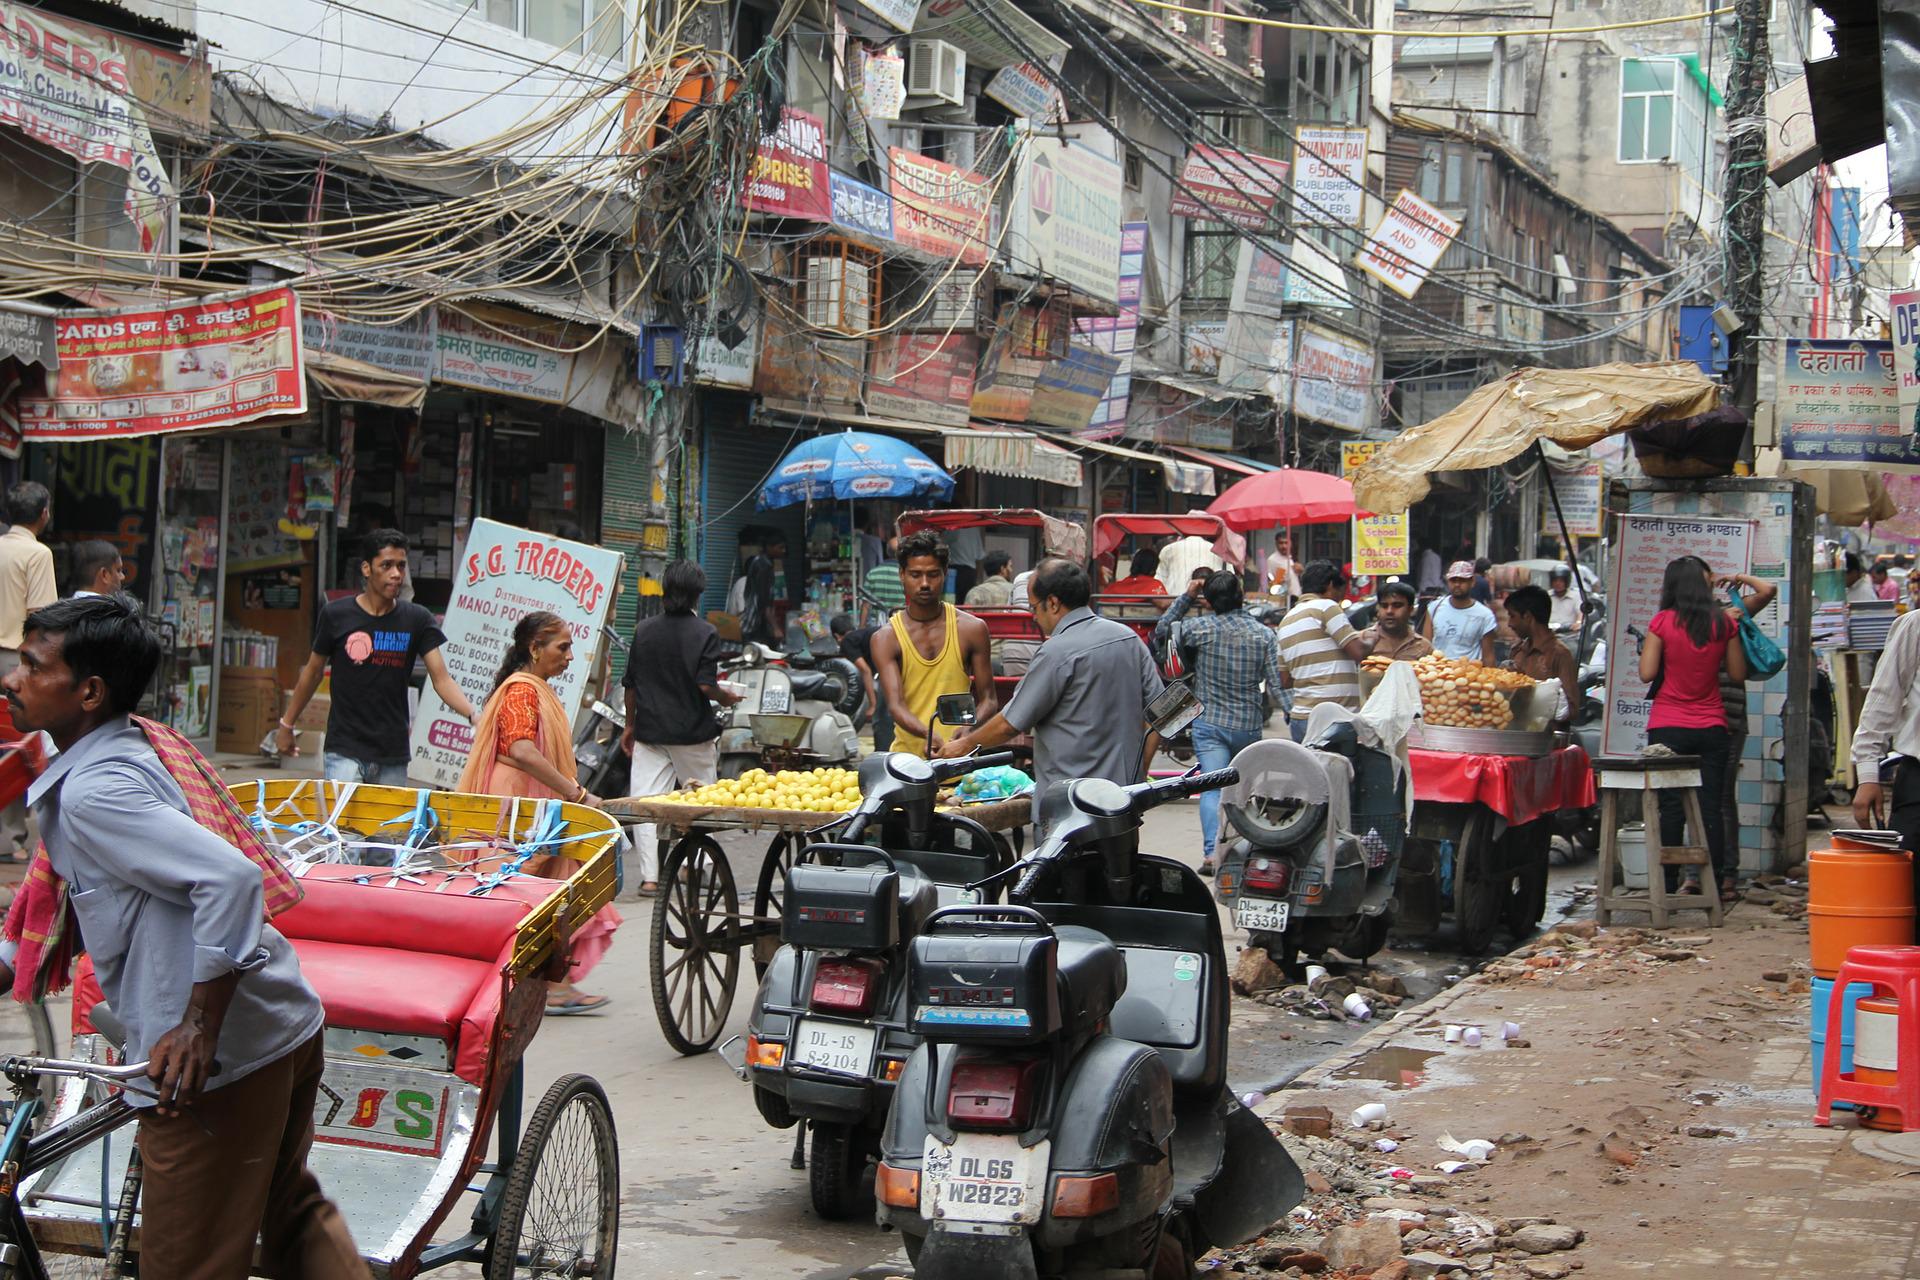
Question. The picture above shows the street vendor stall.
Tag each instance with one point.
(698, 928)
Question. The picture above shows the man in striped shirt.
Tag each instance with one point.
(1319, 649)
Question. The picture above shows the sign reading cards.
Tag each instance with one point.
(789, 174)
(1244, 188)
(1379, 542)
(1329, 168)
(939, 208)
(1639, 565)
(1578, 492)
(924, 377)
(194, 366)
(503, 574)
(1407, 244)
(1839, 406)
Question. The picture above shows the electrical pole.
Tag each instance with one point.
(1744, 220)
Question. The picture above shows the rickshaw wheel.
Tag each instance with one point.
(693, 915)
(1478, 893)
(769, 896)
(560, 1215)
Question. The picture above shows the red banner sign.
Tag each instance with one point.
(192, 366)
(789, 175)
(1243, 188)
(939, 208)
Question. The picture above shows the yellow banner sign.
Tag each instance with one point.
(1379, 542)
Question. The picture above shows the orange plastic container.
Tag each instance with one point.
(1857, 896)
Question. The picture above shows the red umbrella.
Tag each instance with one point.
(1286, 496)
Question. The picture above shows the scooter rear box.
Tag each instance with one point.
(842, 908)
(997, 988)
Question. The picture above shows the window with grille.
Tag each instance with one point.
(1212, 255)
(841, 286)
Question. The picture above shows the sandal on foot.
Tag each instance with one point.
(579, 1002)
(1729, 892)
(647, 890)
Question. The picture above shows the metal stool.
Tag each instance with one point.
(1650, 776)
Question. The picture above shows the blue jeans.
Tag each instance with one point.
(339, 768)
(1216, 748)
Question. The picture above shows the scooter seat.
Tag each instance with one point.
(1093, 975)
(818, 686)
(919, 897)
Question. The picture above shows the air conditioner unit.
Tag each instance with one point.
(839, 294)
(936, 70)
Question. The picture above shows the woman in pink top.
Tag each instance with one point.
(1689, 642)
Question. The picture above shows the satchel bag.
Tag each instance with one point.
(1764, 658)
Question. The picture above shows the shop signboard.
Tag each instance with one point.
(111, 491)
(1026, 90)
(1380, 543)
(859, 207)
(1257, 349)
(1407, 243)
(1839, 406)
(939, 208)
(405, 348)
(1242, 187)
(789, 173)
(503, 573)
(1116, 334)
(1333, 380)
(1200, 353)
(1004, 389)
(1314, 278)
(1067, 391)
(967, 24)
(70, 86)
(1163, 414)
(818, 373)
(1906, 356)
(715, 364)
(191, 366)
(1066, 215)
(1328, 171)
(898, 14)
(1578, 491)
(28, 338)
(1259, 282)
(924, 377)
(1638, 566)
(495, 351)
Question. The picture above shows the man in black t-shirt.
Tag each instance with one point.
(372, 640)
(672, 677)
(856, 646)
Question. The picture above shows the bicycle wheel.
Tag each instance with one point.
(560, 1215)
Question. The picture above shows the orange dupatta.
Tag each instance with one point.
(490, 774)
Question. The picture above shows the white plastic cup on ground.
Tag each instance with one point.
(1453, 1034)
(1509, 1031)
(1369, 1113)
(1356, 1006)
(1471, 1037)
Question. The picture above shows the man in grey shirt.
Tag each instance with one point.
(172, 916)
(1084, 698)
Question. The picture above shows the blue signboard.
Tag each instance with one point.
(1839, 406)
(861, 208)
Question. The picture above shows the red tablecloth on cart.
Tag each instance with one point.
(1518, 788)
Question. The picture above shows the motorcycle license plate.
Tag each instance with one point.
(775, 699)
(833, 1046)
(983, 1177)
(1261, 915)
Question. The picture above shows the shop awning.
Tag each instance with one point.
(339, 377)
(1012, 453)
(1225, 461)
(1200, 388)
(1181, 477)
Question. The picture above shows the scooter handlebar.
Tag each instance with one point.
(1189, 784)
(945, 769)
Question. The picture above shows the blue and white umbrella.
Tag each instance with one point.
(854, 464)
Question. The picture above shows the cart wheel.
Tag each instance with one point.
(1479, 893)
(837, 1173)
(769, 898)
(693, 917)
(560, 1215)
(1526, 884)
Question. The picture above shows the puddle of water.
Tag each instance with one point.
(1401, 1068)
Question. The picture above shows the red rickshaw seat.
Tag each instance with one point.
(414, 993)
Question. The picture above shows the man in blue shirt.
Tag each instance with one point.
(1233, 656)
(173, 918)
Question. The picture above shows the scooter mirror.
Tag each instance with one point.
(956, 710)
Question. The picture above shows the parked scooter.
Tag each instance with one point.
(774, 684)
(1296, 879)
(827, 1035)
(1068, 1112)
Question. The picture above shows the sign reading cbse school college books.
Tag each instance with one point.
(504, 574)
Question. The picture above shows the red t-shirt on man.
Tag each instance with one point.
(1689, 696)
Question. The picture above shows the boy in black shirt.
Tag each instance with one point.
(372, 640)
(672, 676)
(856, 646)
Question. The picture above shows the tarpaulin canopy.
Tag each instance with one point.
(1848, 498)
(1060, 537)
(339, 377)
(1573, 408)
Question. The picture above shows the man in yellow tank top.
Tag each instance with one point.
(930, 649)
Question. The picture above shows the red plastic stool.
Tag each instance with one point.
(1895, 970)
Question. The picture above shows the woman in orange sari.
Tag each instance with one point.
(523, 746)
